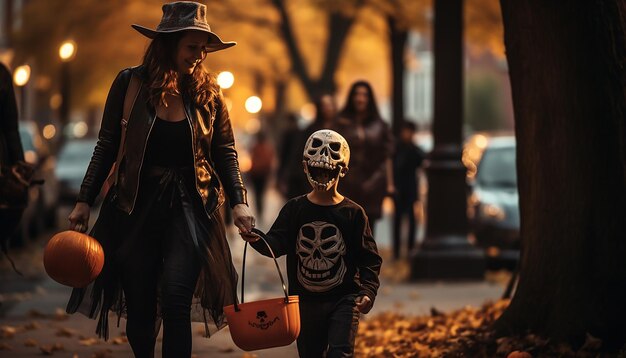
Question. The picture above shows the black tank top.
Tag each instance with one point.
(169, 144)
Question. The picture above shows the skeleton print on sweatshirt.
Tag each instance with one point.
(330, 249)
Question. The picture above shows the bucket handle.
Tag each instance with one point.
(243, 270)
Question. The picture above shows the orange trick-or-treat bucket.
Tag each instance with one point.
(263, 324)
(73, 259)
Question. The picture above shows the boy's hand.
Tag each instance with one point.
(249, 236)
(363, 304)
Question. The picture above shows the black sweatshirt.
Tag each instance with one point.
(330, 249)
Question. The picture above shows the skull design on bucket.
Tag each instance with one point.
(326, 157)
(320, 249)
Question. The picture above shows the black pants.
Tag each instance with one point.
(165, 248)
(403, 209)
(328, 326)
(259, 184)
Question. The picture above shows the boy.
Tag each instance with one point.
(332, 259)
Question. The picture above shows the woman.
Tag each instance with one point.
(371, 147)
(160, 227)
(325, 117)
(11, 154)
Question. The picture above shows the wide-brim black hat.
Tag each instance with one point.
(185, 15)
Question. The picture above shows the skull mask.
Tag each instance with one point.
(320, 249)
(261, 316)
(326, 157)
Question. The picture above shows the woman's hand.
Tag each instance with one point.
(242, 218)
(79, 217)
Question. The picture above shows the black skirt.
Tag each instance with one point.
(162, 191)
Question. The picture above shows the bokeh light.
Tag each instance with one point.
(225, 79)
(55, 101)
(229, 103)
(49, 131)
(307, 112)
(253, 104)
(480, 141)
(252, 126)
(30, 156)
(80, 129)
(67, 51)
(21, 75)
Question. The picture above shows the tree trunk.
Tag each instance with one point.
(566, 62)
(397, 39)
(338, 28)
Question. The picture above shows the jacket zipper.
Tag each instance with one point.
(193, 149)
(141, 165)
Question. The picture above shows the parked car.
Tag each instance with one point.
(42, 199)
(493, 203)
(72, 163)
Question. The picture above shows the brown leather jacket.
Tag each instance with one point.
(215, 158)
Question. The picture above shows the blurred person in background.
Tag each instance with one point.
(325, 118)
(262, 156)
(163, 237)
(407, 159)
(372, 145)
(11, 153)
(286, 147)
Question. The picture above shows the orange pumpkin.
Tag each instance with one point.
(519, 354)
(73, 259)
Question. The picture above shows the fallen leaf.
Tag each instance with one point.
(414, 295)
(58, 347)
(32, 325)
(89, 341)
(60, 315)
(64, 332)
(435, 312)
(47, 350)
(5, 347)
(7, 331)
(119, 340)
(30, 343)
(35, 314)
(591, 343)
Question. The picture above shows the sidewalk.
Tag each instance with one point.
(33, 316)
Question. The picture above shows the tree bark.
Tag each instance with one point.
(397, 39)
(566, 63)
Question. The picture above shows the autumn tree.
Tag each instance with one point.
(401, 16)
(341, 16)
(566, 64)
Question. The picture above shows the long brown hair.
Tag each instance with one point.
(160, 64)
(349, 110)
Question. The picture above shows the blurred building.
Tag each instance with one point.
(418, 104)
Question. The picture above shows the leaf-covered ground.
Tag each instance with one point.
(462, 333)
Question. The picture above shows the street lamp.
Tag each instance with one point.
(20, 78)
(67, 52)
(446, 252)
